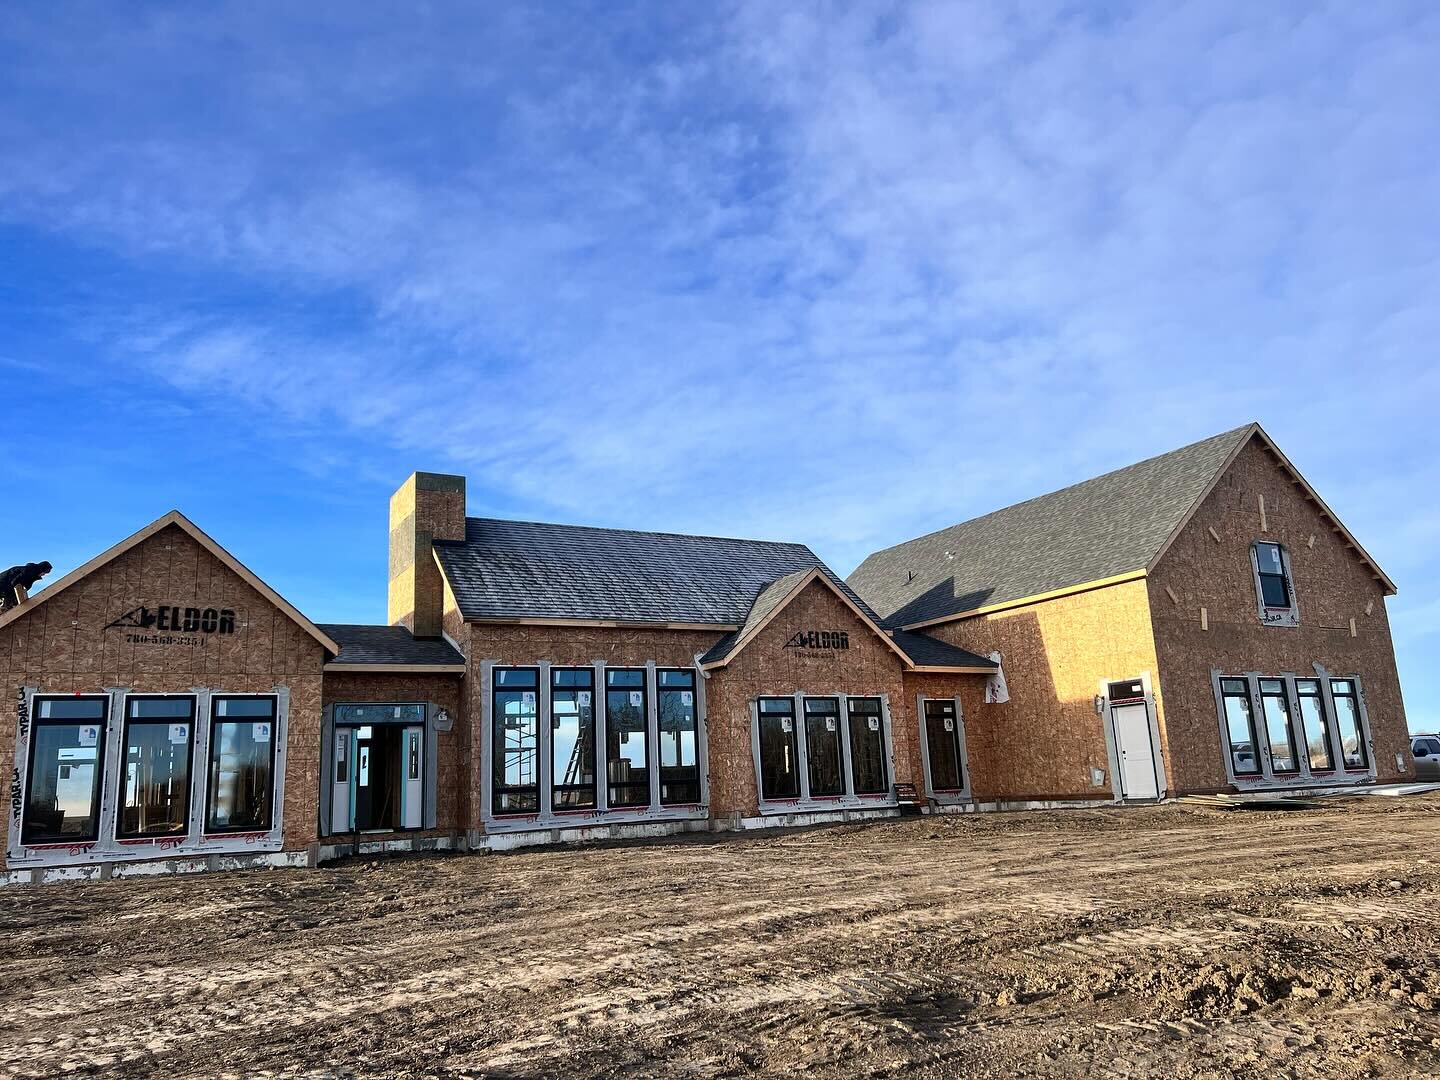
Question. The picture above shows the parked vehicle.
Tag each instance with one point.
(1426, 751)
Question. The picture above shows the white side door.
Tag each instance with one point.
(412, 773)
(1137, 755)
(341, 804)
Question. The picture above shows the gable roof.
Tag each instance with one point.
(513, 570)
(180, 521)
(389, 648)
(1111, 528)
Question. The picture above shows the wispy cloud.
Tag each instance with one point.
(842, 272)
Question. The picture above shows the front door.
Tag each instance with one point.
(1135, 750)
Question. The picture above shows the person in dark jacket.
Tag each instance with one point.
(16, 583)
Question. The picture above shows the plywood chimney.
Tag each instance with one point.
(426, 508)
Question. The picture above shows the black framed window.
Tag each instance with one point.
(1278, 729)
(155, 786)
(66, 761)
(679, 736)
(572, 738)
(779, 755)
(627, 754)
(515, 751)
(867, 747)
(1312, 723)
(1272, 565)
(1240, 727)
(1347, 720)
(242, 764)
(942, 744)
(824, 752)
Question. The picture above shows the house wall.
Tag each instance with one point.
(1332, 586)
(443, 690)
(67, 645)
(1043, 743)
(765, 667)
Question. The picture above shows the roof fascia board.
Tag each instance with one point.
(174, 517)
(940, 669)
(1026, 601)
(815, 574)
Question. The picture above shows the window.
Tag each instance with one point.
(67, 751)
(679, 734)
(1277, 726)
(242, 764)
(825, 756)
(1347, 721)
(779, 758)
(155, 787)
(1240, 727)
(1312, 722)
(515, 779)
(572, 741)
(867, 747)
(942, 742)
(626, 726)
(1272, 582)
(1425, 747)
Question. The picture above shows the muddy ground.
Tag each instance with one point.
(1167, 941)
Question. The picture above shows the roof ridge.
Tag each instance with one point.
(1234, 432)
(634, 532)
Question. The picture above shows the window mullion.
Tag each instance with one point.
(844, 710)
(802, 746)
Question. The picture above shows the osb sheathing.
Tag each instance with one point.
(64, 646)
(765, 667)
(424, 509)
(1332, 585)
(1044, 742)
(444, 691)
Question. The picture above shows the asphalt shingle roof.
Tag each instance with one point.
(524, 569)
(383, 645)
(926, 651)
(1110, 525)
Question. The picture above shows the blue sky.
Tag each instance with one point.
(833, 273)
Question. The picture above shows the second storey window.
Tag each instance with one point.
(1275, 590)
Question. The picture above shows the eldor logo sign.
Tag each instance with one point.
(819, 639)
(188, 620)
(175, 621)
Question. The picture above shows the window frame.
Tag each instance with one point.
(886, 780)
(1282, 695)
(782, 714)
(1244, 694)
(102, 740)
(207, 827)
(497, 745)
(1275, 614)
(1318, 696)
(660, 691)
(556, 787)
(127, 721)
(958, 745)
(650, 751)
(842, 758)
(1356, 711)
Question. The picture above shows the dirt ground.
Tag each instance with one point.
(1167, 941)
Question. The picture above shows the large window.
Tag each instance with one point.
(515, 781)
(155, 787)
(823, 750)
(942, 743)
(1347, 720)
(867, 747)
(1312, 722)
(572, 746)
(779, 756)
(242, 764)
(626, 754)
(1278, 727)
(67, 752)
(1272, 581)
(1240, 727)
(679, 738)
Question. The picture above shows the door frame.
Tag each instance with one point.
(1112, 749)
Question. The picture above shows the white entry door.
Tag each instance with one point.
(1137, 754)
